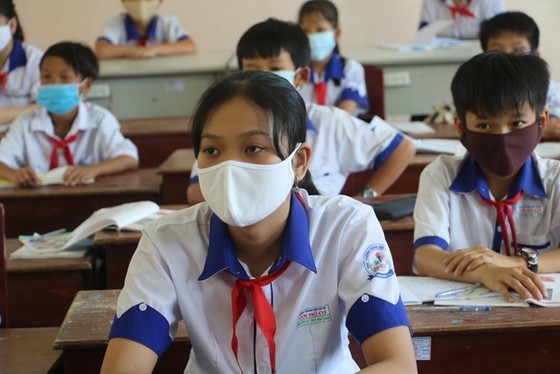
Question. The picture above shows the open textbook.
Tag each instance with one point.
(417, 290)
(130, 216)
(51, 177)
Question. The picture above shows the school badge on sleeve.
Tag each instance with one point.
(377, 263)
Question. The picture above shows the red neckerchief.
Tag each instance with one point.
(461, 9)
(504, 208)
(142, 41)
(321, 92)
(64, 144)
(264, 314)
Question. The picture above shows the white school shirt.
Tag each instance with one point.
(352, 84)
(341, 278)
(553, 99)
(26, 142)
(450, 213)
(341, 145)
(162, 30)
(465, 27)
(23, 76)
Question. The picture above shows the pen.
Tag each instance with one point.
(467, 308)
(457, 291)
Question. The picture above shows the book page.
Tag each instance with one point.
(448, 146)
(426, 288)
(408, 298)
(137, 226)
(25, 253)
(414, 128)
(552, 284)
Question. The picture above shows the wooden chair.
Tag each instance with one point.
(3, 273)
(376, 93)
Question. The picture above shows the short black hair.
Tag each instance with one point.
(326, 8)
(8, 10)
(268, 91)
(79, 56)
(515, 22)
(493, 82)
(267, 39)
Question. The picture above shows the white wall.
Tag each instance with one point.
(217, 24)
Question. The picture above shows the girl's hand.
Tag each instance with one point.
(520, 279)
(471, 258)
(25, 176)
(141, 52)
(75, 175)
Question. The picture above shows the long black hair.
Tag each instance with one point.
(8, 10)
(270, 92)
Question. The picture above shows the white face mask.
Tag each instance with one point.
(5, 36)
(241, 194)
(142, 10)
(288, 74)
(322, 44)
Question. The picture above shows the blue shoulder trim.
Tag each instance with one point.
(193, 180)
(380, 159)
(369, 317)
(352, 94)
(435, 240)
(145, 325)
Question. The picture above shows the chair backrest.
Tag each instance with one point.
(3, 273)
(375, 90)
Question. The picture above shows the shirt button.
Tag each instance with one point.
(142, 307)
(499, 229)
(365, 298)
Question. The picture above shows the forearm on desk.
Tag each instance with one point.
(180, 47)
(8, 114)
(116, 165)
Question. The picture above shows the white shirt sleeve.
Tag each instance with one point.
(112, 30)
(12, 146)
(172, 30)
(113, 143)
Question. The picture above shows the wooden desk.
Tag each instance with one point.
(157, 138)
(45, 209)
(504, 340)
(84, 332)
(176, 172)
(29, 351)
(40, 291)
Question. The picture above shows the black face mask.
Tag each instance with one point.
(502, 154)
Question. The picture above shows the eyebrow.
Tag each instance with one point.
(242, 135)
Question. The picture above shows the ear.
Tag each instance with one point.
(87, 86)
(458, 126)
(302, 77)
(537, 53)
(13, 25)
(301, 161)
(337, 33)
(544, 117)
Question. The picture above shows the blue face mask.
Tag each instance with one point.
(59, 98)
(322, 44)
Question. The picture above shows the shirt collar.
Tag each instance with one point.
(310, 125)
(43, 122)
(295, 245)
(132, 32)
(333, 70)
(17, 56)
(470, 178)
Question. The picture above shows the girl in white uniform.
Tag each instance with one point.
(19, 72)
(335, 80)
(65, 130)
(266, 278)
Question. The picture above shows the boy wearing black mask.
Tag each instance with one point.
(492, 216)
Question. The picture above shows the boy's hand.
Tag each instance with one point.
(75, 175)
(471, 258)
(141, 52)
(520, 279)
(25, 176)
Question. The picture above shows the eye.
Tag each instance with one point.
(517, 124)
(484, 126)
(210, 151)
(253, 149)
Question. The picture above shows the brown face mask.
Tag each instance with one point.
(502, 154)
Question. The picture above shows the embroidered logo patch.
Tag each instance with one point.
(377, 263)
(530, 211)
(313, 315)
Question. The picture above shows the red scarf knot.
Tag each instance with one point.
(64, 144)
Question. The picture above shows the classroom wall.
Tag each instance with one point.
(216, 25)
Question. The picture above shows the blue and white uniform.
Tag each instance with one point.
(451, 214)
(341, 279)
(120, 30)
(27, 142)
(20, 76)
(341, 145)
(553, 99)
(465, 27)
(352, 84)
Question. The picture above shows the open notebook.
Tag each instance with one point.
(51, 177)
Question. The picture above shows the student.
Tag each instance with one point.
(19, 73)
(65, 130)
(468, 15)
(141, 33)
(516, 32)
(493, 216)
(260, 242)
(335, 80)
(342, 144)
